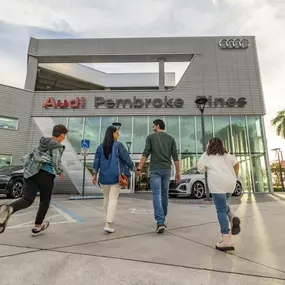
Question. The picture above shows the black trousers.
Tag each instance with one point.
(41, 182)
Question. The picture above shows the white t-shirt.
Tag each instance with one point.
(221, 174)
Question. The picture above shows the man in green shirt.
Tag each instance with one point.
(162, 147)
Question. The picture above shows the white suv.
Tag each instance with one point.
(192, 183)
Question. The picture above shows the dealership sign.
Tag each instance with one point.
(234, 44)
(78, 102)
(139, 103)
(222, 102)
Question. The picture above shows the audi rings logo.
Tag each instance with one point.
(234, 43)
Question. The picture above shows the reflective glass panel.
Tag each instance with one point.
(106, 122)
(259, 173)
(8, 123)
(208, 132)
(255, 134)
(140, 133)
(239, 135)
(74, 134)
(245, 172)
(188, 138)
(172, 128)
(60, 120)
(92, 132)
(126, 131)
(222, 130)
(5, 160)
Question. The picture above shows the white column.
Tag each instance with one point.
(161, 75)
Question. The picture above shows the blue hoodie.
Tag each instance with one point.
(109, 172)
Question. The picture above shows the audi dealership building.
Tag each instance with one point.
(60, 87)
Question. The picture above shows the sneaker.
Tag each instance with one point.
(234, 222)
(37, 231)
(5, 213)
(225, 244)
(109, 228)
(160, 229)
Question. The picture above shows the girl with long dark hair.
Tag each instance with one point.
(110, 159)
(222, 169)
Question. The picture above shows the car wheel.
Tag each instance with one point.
(16, 189)
(198, 190)
(238, 190)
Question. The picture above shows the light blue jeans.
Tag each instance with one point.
(222, 206)
(159, 184)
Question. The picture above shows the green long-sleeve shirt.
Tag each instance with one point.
(161, 146)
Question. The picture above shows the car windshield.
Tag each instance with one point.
(191, 171)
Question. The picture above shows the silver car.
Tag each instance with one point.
(192, 183)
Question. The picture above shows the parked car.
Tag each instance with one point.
(11, 181)
(192, 183)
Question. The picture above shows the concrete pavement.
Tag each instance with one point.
(75, 250)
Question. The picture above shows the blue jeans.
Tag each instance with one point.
(159, 184)
(221, 203)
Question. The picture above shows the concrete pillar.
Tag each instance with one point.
(32, 70)
(161, 75)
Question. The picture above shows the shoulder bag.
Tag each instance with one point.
(123, 179)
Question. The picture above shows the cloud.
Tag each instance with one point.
(265, 19)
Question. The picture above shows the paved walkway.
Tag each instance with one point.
(75, 250)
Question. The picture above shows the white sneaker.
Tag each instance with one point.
(37, 231)
(109, 228)
(225, 244)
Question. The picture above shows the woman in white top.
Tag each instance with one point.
(222, 169)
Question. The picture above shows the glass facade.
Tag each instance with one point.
(242, 136)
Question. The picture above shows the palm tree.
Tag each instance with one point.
(279, 122)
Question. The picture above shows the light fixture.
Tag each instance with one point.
(117, 125)
(128, 144)
(201, 101)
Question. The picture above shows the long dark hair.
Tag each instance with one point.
(108, 141)
(216, 146)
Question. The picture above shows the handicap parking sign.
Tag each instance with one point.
(85, 143)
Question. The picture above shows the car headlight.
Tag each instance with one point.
(5, 178)
(184, 180)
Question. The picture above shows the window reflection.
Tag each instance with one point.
(259, 173)
(126, 130)
(188, 138)
(188, 161)
(60, 120)
(172, 128)
(239, 134)
(74, 134)
(245, 171)
(255, 134)
(222, 130)
(208, 132)
(8, 123)
(92, 132)
(106, 122)
(5, 160)
(140, 133)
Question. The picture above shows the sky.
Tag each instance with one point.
(265, 19)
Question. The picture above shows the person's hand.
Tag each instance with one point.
(94, 179)
(61, 176)
(139, 172)
(177, 177)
